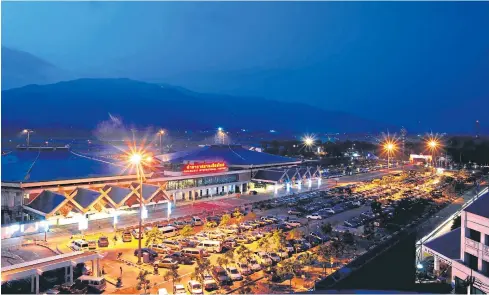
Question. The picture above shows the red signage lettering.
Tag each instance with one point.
(199, 168)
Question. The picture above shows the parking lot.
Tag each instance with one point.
(283, 228)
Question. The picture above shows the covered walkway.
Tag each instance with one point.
(34, 269)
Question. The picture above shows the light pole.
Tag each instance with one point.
(389, 148)
(28, 132)
(220, 135)
(160, 134)
(138, 160)
(433, 146)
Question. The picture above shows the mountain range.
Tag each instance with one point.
(83, 103)
(20, 68)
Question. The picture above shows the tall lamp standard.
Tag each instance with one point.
(433, 145)
(28, 132)
(389, 148)
(138, 160)
(160, 134)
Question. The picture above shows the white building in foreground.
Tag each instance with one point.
(466, 249)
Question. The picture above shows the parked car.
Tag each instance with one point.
(254, 265)
(293, 212)
(221, 276)
(166, 263)
(293, 223)
(274, 256)
(103, 241)
(263, 258)
(314, 216)
(159, 248)
(179, 289)
(209, 283)
(234, 273)
(151, 252)
(194, 288)
(243, 268)
(180, 258)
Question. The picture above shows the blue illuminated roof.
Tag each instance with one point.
(35, 166)
(47, 201)
(233, 155)
(447, 245)
(85, 197)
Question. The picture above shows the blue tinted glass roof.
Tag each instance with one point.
(34, 166)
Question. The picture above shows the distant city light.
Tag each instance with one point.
(272, 131)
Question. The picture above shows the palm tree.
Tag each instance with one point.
(210, 224)
(186, 231)
(222, 261)
(143, 282)
(225, 219)
(286, 270)
(203, 265)
(173, 275)
(243, 252)
(326, 255)
(152, 235)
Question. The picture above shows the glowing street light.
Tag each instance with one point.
(138, 160)
(433, 143)
(220, 135)
(28, 132)
(389, 148)
(308, 141)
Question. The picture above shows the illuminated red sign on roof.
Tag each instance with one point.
(199, 168)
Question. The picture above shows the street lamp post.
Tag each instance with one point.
(28, 132)
(389, 147)
(433, 145)
(160, 133)
(137, 160)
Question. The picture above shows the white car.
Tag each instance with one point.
(195, 288)
(179, 289)
(209, 283)
(329, 210)
(243, 268)
(293, 223)
(314, 216)
(264, 259)
(234, 273)
(274, 256)
(254, 265)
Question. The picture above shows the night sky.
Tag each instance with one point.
(423, 60)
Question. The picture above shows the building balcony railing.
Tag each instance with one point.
(481, 249)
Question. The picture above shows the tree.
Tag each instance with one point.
(327, 228)
(294, 234)
(172, 274)
(143, 282)
(203, 265)
(243, 252)
(348, 238)
(286, 271)
(210, 224)
(457, 222)
(152, 235)
(186, 231)
(376, 207)
(229, 255)
(222, 261)
(225, 219)
(325, 255)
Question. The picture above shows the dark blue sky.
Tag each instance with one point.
(425, 60)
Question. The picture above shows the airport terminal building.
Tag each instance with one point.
(61, 185)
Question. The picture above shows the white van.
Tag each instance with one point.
(168, 231)
(95, 283)
(211, 246)
(197, 221)
(79, 245)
